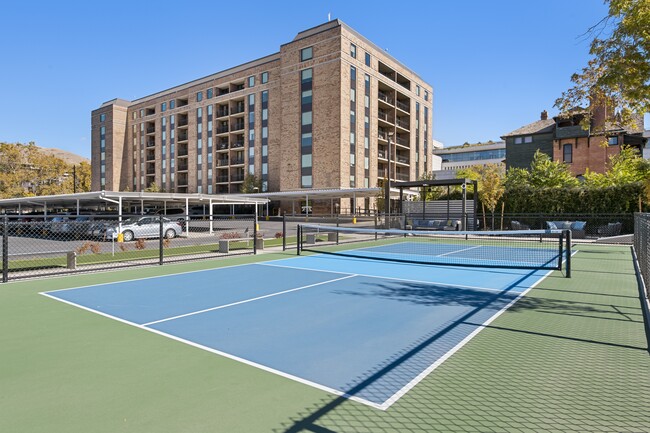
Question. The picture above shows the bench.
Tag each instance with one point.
(312, 237)
(224, 244)
(435, 224)
(71, 256)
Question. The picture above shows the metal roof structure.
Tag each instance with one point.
(121, 199)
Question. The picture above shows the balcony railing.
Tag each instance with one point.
(222, 146)
(237, 144)
(403, 106)
(222, 162)
(384, 97)
(239, 108)
(182, 167)
(222, 112)
(182, 152)
(182, 122)
(151, 129)
(401, 140)
(384, 116)
(402, 160)
(222, 179)
(402, 123)
(222, 129)
(401, 176)
(238, 126)
(182, 137)
(151, 143)
(236, 177)
(237, 161)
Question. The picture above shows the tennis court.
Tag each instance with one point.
(569, 355)
(351, 325)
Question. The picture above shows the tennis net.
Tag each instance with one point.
(526, 249)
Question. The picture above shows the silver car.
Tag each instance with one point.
(144, 227)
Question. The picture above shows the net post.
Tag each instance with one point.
(337, 232)
(161, 258)
(5, 249)
(560, 255)
(298, 238)
(568, 253)
(284, 232)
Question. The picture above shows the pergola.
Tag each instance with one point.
(422, 184)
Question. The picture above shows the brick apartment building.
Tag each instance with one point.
(565, 140)
(317, 114)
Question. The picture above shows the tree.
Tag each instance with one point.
(490, 180)
(251, 185)
(153, 187)
(618, 74)
(623, 168)
(429, 193)
(543, 173)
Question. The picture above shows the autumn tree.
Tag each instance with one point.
(251, 185)
(618, 74)
(490, 182)
(429, 193)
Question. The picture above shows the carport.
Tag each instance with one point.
(124, 200)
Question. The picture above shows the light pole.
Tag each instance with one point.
(387, 186)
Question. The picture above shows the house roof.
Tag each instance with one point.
(538, 127)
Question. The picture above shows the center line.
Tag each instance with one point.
(459, 251)
(247, 300)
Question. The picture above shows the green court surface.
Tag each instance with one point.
(569, 356)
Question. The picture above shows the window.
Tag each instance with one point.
(417, 90)
(426, 95)
(265, 77)
(306, 54)
(353, 50)
(210, 93)
(251, 81)
(306, 75)
(172, 104)
(519, 140)
(199, 96)
(528, 139)
(612, 141)
(567, 153)
(102, 117)
(163, 107)
(367, 59)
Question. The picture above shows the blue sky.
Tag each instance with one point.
(494, 65)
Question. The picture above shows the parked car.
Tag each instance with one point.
(73, 226)
(143, 227)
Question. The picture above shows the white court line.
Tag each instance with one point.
(245, 301)
(406, 388)
(462, 286)
(226, 355)
(459, 251)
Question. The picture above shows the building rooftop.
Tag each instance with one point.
(538, 127)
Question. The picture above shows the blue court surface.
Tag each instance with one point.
(364, 329)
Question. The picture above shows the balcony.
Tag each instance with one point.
(385, 116)
(222, 129)
(238, 177)
(151, 170)
(223, 162)
(222, 179)
(385, 97)
(182, 121)
(222, 146)
(182, 166)
(402, 160)
(238, 108)
(404, 124)
(151, 129)
(402, 176)
(222, 111)
(401, 140)
(151, 156)
(238, 126)
(403, 106)
(182, 136)
(237, 144)
(151, 143)
(237, 161)
(182, 151)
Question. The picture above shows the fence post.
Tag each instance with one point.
(5, 250)
(160, 242)
(568, 253)
(284, 232)
(255, 233)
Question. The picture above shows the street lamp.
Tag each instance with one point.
(387, 186)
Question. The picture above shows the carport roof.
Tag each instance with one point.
(115, 197)
(318, 194)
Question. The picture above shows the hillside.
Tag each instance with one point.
(69, 157)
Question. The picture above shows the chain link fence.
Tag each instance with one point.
(49, 245)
